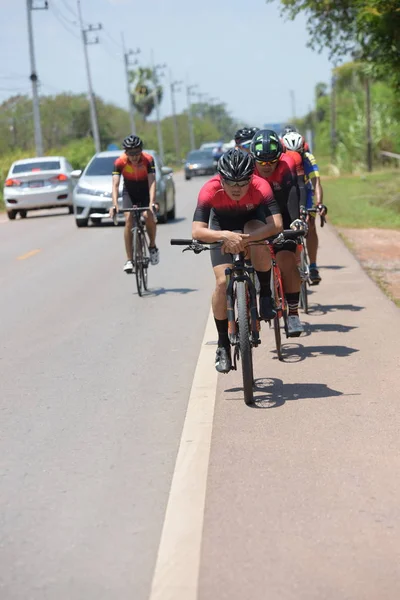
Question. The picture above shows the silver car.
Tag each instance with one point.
(92, 195)
(34, 183)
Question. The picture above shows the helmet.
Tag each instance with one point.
(236, 165)
(132, 142)
(245, 134)
(266, 145)
(289, 129)
(294, 141)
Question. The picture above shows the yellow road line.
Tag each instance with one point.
(28, 254)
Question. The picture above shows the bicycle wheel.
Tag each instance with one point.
(145, 261)
(304, 271)
(279, 306)
(137, 257)
(244, 341)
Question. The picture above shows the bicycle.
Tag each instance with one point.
(243, 318)
(281, 306)
(303, 263)
(140, 247)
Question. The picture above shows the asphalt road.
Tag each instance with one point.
(301, 491)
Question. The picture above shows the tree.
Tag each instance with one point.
(145, 90)
(369, 29)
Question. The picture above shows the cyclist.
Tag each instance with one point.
(244, 136)
(295, 142)
(138, 170)
(278, 168)
(236, 199)
(293, 129)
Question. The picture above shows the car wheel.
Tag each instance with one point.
(71, 210)
(23, 213)
(163, 217)
(81, 222)
(188, 177)
(12, 214)
(171, 213)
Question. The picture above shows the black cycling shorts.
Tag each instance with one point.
(288, 245)
(140, 202)
(234, 223)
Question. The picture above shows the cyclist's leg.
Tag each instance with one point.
(312, 243)
(261, 261)
(127, 203)
(286, 260)
(151, 228)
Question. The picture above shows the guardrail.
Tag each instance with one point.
(390, 154)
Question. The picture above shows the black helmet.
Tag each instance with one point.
(245, 134)
(132, 142)
(236, 165)
(266, 145)
(289, 129)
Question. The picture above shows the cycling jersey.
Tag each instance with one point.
(212, 197)
(311, 171)
(136, 185)
(284, 184)
(297, 161)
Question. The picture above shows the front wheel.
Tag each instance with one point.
(244, 341)
(138, 261)
(304, 273)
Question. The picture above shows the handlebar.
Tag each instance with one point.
(198, 246)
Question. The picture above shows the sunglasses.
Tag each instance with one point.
(231, 183)
(245, 145)
(134, 153)
(264, 163)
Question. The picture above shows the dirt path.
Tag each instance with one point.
(378, 250)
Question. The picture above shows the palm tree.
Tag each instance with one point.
(145, 89)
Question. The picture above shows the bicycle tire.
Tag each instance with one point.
(279, 306)
(304, 286)
(145, 263)
(245, 348)
(137, 256)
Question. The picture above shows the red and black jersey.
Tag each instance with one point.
(135, 175)
(212, 196)
(284, 184)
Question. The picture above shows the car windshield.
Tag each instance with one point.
(48, 165)
(198, 156)
(102, 165)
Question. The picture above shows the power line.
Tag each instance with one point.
(65, 24)
(69, 8)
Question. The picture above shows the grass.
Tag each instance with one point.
(370, 200)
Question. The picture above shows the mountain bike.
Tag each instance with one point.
(243, 318)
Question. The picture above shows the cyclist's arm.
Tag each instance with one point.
(319, 193)
(115, 188)
(201, 232)
(273, 226)
(151, 178)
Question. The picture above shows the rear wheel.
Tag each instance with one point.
(138, 260)
(279, 306)
(71, 210)
(81, 222)
(23, 213)
(145, 263)
(11, 214)
(303, 287)
(244, 341)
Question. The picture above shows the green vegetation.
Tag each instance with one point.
(371, 200)
(368, 29)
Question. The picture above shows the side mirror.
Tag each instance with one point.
(166, 170)
(76, 174)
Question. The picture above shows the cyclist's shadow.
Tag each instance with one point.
(270, 392)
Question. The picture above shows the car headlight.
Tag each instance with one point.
(92, 192)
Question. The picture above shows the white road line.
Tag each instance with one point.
(177, 568)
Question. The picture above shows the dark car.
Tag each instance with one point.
(199, 162)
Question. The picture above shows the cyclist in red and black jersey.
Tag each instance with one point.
(279, 169)
(138, 170)
(233, 200)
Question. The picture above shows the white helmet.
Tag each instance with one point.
(293, 141)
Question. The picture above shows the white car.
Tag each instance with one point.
(35, 183)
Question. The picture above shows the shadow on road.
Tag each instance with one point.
(161, 291)
(294, 352)
(46, 215)
(270, 392)
(332, 267)
(319, 327)
(176, 220)
(319, 309)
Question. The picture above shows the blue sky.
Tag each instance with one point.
(241, 52)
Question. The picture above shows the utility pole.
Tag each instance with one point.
(368, 115)
(189, 89)
(34, 78)
(86, 43)
(333, 118)
(293, 101)
(159, 68)
(131, 107)
(174, 87)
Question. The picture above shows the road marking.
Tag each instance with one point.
(28, 254)
(178, 562)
